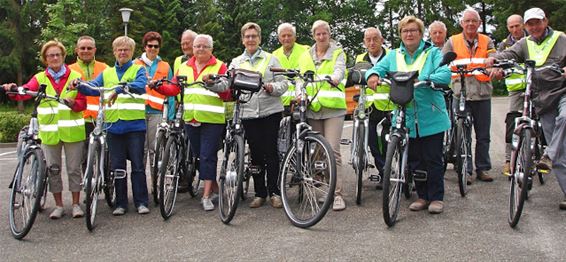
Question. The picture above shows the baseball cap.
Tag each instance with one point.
(534, 13)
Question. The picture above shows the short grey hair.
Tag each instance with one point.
(284, 26)
(320, 24)
(207, 37)
(470, 10)
(373, 28)
(86, 37)
(437, 23)
(189, 32)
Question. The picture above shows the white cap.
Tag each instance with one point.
(534, 13)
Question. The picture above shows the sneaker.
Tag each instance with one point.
(436, 207)
(418, 205)
(544, 163)
(142, 209)
(276, 201)
(339, 204)
(563, 204)
(77, 211)
(57, 213)
(484, 176)
(257, 202)
(506, 169)
(119, 211)
(207, 204)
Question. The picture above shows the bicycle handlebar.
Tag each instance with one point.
(308, 76)
(21, 90)
(511, 66)
(432, 85)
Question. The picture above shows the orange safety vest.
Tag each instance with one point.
(91, 110)
(464, 57)
(154, 99)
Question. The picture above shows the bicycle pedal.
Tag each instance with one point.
(375, 178)
(119, 174)
(255, 170)
(320, 165)
(345, 141)
(420, 175)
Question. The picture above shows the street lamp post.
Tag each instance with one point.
(126, 12)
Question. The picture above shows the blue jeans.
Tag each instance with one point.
(204, 143)
(425, 153)
(123, 147)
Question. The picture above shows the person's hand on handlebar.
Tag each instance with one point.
(74, 84)
(489, 61)
(69, 102)
(564, 72)
(8, 86)
(495, 73)
(268, 88)
(208, 80)
(373, 81)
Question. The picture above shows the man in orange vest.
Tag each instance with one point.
(472, 48)
(89, 69)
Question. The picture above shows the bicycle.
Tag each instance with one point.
(449, 135)
(98, 177)
(308, 172)
(525, 141)
(29, 183)
(463, 131)
(177, 158)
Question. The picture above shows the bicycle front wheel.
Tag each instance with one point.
(392, 181)
(169, 175)
(308, 181)
(93, 179)
(191, 171)
(463, 152)
(231, 178)
(156, 164)
(27, 191)
(522, 168)
(360, 162)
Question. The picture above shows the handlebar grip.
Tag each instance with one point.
(277, 69)
(442, 86)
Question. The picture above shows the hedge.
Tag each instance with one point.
(10, 125)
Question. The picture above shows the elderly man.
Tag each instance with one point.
(437, 31)
(515, 83)
(288, 55)
(187, 39)
(472, 48)
(546, 46)
(382, 106)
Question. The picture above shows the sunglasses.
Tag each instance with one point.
(86, 48)
(152, 46)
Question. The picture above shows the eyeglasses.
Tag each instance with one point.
(123, 50)
(152, 46)
(251, 36)
(54, 55)
(471, 21)
(201, 47)
(409, 31)
(86, 48)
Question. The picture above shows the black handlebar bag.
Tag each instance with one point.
(402, 86)
(246, 80)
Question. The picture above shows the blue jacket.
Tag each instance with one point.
(427, 114)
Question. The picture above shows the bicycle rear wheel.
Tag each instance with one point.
(93, 179)
(169, 175)
(360, 162)
(26, 193)
(463, 152)
(231, 178)
(156, 164)
(522, 168)
(392, 181)
(448, 146)
(308, 192)
(191, 171)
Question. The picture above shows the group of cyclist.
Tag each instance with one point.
(133, 115)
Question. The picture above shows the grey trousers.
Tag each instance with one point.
(331, 129)
(554, 128)
(73, 161)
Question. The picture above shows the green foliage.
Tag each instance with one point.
(10, 125)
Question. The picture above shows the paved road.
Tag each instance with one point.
(471, 229)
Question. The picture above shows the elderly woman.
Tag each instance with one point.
(261, 115)
(326, 115)
(205, 121)
(126, 118)
(70, 136)
(428, 109)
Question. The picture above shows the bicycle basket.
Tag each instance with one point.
(402, 86)
(246, 80)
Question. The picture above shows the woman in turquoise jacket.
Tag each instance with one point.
(426, 116)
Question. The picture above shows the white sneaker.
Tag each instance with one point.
(57, 213)
(339, 204)
(143, 210)
(207, 204)
(77, 211)
(119, 211)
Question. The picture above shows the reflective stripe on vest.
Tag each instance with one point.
(460, 46)
(88, 113)
(58, 122)
(200, 103)
(291, 62)
(153, 98)
(125, 107)
(540, 53)
(327, 96)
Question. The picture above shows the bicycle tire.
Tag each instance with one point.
(93, 181)
(392, 181)
(109, 188)
(538, 155)
(408, 185)
(44, 195)
(522, 168)
(308, 194)
(231, 178)
(30, 179)
(448, 147)
(463, 156)
(359, 162)
(191, 171)
(156, 164)
(169, 175)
